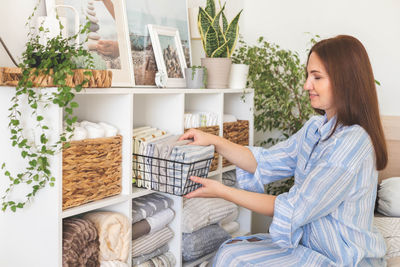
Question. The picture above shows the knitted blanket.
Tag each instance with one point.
(202, 242)
(114, 231)
(80, 244)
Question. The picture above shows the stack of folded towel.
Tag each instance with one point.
(163, 161)
(200, 119)
(96, 239)
(151, 215)
(207, 223)
(87, 129)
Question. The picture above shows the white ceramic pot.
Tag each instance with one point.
(218, 70)
(195, 78)
(238, 76)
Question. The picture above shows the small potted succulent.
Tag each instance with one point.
(196, 77)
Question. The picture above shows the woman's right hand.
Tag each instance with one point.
(200, 138)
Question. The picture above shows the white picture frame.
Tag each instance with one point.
(112, 28)
(169, 55)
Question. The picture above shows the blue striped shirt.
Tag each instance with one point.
(328, 214)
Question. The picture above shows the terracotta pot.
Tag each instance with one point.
(218, 70)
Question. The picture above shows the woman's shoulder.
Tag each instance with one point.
(352, 146)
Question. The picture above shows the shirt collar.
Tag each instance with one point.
(326, 126)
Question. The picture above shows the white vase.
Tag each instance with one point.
(238, 76)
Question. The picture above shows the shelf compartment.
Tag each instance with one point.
(109, 201)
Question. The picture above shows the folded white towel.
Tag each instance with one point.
(109, 130)
(94, 131)
(80, 133)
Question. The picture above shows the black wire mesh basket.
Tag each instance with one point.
(168, 176)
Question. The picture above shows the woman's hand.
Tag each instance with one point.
(210, 188)
(200, 138)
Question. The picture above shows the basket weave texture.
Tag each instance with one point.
(99, 78)
(238, 133)
(91, 170)
(215, 131)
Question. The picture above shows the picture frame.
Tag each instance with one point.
(140, 13)
(169, 55)
(108, 39)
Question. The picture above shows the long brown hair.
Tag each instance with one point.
(347, 64)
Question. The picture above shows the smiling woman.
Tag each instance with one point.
(326, 217)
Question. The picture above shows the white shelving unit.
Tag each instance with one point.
(33, 236)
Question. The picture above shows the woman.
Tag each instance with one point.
(326, 217)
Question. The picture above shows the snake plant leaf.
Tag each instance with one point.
(211, 41)
(232, 33)
(224, 23)
(221, 51)
(204, 22)
(210, 8)
(216, 25)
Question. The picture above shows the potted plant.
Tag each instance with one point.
(55, 63)
(196, 77)
(218, 38)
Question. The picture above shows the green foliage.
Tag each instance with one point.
(217, 36)
(280, 103)
(57, 59)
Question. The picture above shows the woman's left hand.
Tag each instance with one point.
(210, 188)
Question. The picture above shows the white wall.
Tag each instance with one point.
(13, 16)
(375, 23)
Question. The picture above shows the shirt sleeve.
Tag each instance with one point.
(273, 164)
(323, 190)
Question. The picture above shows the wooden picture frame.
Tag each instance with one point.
(169, 55)
(108, 39)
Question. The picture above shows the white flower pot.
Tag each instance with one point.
(238, 76)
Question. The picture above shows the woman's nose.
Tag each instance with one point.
(307, 85)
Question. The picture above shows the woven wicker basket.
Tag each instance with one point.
(236, 132)
(215, 131)
(99, 78)
(91, 170)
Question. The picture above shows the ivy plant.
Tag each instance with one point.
(57, 59)
(280, 103)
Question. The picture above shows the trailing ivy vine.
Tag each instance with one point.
(57, 58)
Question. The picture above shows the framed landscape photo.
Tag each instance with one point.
(169, 54)
(140, 13)
(108, 39)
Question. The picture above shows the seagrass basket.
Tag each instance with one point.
(91, 170)
(215, 131)
(99, 78)
(238, 133)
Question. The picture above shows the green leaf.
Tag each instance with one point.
(210, 8)
(232, 33)
(39, 118)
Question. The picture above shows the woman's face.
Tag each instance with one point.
(319, 86)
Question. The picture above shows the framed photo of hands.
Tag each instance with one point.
(108, 37)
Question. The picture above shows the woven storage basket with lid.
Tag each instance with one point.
(91, 170)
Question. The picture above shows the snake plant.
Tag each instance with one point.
(218, 39)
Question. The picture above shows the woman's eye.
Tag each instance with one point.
(317, 78)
